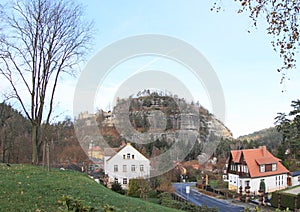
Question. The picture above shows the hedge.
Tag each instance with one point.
(287, 200)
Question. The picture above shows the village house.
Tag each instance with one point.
(95, 152)
(295, 178)
(125, 164)
(250, 167)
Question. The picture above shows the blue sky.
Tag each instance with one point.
(244, 63)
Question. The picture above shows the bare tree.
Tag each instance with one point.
(42, 40)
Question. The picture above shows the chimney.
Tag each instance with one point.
(264, 150)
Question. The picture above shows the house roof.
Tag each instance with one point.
(266, 160)
(236, 154)
(108, 152)
(96, 148)
(296, 173)
(128, 145)
(255, 157)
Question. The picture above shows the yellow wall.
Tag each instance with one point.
(232, 187)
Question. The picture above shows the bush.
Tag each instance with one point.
(287, 200)
(138, 188)
(116, 187)
(71, 204)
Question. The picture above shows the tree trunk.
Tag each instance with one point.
(48, 156)
(44, 155)
(34, 141)
(2, 151)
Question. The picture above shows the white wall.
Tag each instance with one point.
(272, 183)
(233, 180)
(295, 180)
(138, 161)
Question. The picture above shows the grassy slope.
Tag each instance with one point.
(25, 187)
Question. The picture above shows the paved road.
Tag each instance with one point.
(201, 199)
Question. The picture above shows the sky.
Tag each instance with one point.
(244, 63)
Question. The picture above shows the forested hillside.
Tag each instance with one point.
(15, 139)
(14, 135)
(269, 137)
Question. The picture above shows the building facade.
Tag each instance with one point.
(125, 164)
(251, 167)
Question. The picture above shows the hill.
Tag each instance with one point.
(15, 139)
(155, 117)
(14, 136)
(31, 188)
(269, 137)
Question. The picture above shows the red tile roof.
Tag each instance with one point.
(266, 160)
(255, 157)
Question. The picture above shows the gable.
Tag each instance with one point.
(130, 151)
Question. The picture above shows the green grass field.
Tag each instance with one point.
(31, 188)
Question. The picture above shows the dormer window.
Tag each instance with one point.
(274, 167)
(262, 168)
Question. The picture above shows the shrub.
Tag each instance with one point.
(287, 200)
(116, 187)
(71, 204)
(138, 188)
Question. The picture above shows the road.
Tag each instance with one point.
(201, 199)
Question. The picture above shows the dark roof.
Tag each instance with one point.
(296, 173)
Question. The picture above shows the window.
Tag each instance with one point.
(124, 156)
(116, 180)
(132, 156)
(124, 168)
(246, 169)
(268, 167)
(274, 167)
(247, 182)
(298, 178)
(141, 168)
(133, 168)
(115, 168)
(128, 155)
(262, 168)
(125, 181)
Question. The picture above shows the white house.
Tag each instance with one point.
(127, 163)
(252, 166)
(295, 178)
